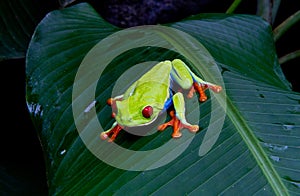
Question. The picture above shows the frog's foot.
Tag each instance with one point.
(177, 126)
(112, 102)
(113, 132)
(201, 87)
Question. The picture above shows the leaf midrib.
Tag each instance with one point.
(257, 151)
(240, 123)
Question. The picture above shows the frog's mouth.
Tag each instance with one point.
(146, 123)
(134, 129)
(135, 122)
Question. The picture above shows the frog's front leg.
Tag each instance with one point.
(112, 103)
(113, 132)
(115, 128)
(178, 120)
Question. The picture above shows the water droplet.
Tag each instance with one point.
(35, 109)
(275, 148)
(288, 127)
(224, 70)
(63, 152)
(89, 107)
(297, 184)
(295, 110)
(275, 158)
(261, 95)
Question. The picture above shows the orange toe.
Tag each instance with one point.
(177, 126)
(113, 133)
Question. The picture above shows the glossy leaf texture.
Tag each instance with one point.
(257, 151)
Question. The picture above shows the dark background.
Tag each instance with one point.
(22, 169)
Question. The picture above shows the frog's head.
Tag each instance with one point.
(134, 114)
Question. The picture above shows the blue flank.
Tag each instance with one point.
(168, 103)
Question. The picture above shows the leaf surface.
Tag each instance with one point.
(257, 151)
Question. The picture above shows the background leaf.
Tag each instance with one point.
(18, 19)
(260, 103)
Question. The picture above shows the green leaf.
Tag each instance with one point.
(257, 151)
(18, 18)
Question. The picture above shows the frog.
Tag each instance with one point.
(153, 94)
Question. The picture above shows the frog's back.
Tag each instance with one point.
(159, 73)
(153, 86)
(151, 92)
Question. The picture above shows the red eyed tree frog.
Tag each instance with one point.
(151, 95)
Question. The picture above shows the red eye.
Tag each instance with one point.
(147, 111)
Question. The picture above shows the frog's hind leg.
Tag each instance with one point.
(200, 86)
(188, 80)
(181, 75)
(178, 120)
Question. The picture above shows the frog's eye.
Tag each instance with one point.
(147, 111)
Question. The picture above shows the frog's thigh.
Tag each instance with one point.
(181, 74)
(179, 106)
